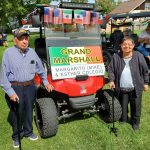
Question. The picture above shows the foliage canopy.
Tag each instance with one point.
(11, 10)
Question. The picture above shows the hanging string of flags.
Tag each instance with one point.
(144, 21)
(115, 22)
(120, 22)
(65, 16)
(28, 20)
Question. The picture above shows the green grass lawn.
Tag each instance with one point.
(89, 133)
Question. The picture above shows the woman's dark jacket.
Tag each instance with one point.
(138, 67)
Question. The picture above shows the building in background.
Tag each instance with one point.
(130, 7)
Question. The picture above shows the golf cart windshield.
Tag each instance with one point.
(73, 35)
(72, 45)
(72, 30)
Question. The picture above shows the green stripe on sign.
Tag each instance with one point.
(57, 57)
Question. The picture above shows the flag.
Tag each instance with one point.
(32, 13)
(58, 15)
(78, 16)
(106, 16)
(24, 21)
(67, 16)
(95, 17)
(48, 15)
(86, 17)
(29, 21)
(100, 19)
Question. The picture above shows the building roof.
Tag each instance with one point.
(127, 7)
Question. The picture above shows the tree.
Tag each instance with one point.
(105, 5)
(17, 9)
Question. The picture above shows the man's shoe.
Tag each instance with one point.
(16, 144)
(33, 137)
(135, 127)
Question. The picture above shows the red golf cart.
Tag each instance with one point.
(72, 56)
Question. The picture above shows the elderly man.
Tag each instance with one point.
(19, 66)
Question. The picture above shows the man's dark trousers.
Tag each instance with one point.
(27, 95)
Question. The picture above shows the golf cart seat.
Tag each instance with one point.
(116, 38)
(40, 48)
(135, 39)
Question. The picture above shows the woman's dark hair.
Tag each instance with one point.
(127, 38)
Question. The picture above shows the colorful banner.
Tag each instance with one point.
(86, 17)
(78, 16)
(95, 17)
(68, 62)
(67, 16)
(106, 16)
(58, 15)
(100, 20)
(28, 19)
(48, 14)
(24, 21)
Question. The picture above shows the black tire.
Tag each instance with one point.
(107, 58)
(46, 117)
(106, 112)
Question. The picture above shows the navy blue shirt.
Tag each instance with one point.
(20, 67)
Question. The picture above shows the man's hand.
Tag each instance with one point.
(49, 87)
(14, 98)
(145, 87)
(111, 85)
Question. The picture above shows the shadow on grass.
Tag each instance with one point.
(78, 116)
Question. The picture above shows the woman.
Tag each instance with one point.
(128, 75)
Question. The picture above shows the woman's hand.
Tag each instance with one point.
(145, 87)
